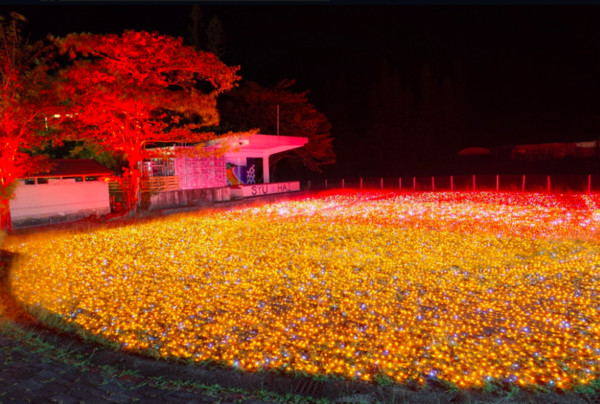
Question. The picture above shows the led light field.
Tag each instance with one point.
(462, 287)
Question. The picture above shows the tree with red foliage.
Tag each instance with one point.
(255, 106)
(23, 101)
(140, 89)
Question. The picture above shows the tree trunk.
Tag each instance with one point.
(134, 188)
(5, 221)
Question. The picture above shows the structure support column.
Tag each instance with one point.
(266, 178)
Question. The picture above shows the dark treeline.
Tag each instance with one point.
(404, 88)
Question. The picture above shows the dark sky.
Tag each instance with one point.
(529, 73)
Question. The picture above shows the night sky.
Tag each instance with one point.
(525, 73)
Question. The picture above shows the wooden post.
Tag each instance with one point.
(549, 187)
(523, 186)
(414, 183)
(381, 181)
(308, 184)
(400, 183)
(325, 182)
(432, 183)
(474, 183)
(343, 183)
(589, 183)
(497, 183)
(360, 182)
(452, 183)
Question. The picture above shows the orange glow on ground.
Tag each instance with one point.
(462, 287)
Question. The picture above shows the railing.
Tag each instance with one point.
(480, 182)
(114, 187)
(148, 184)
(159, 184)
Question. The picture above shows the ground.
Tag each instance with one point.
(45, 365)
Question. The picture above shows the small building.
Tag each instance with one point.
(566, 158)
(235, 166)
(72, 189)
(537, 151)
(556, 151)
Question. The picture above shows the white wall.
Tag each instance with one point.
(62, 197)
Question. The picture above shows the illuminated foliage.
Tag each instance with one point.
(139, 89)
(23, 104)
(254, 106)
(461, 287)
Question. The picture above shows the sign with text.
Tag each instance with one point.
(245, 191)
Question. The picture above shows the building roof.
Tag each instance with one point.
(261, 145)
(74, 167)
(248, 145)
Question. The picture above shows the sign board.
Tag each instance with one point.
(245, 191)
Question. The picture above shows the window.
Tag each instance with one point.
(48, 180)
(158, 167)
(73, 179)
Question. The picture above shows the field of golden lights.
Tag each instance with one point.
(466, 288)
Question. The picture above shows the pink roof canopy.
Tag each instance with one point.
(259, 145)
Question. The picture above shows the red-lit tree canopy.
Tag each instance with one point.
(23, 101)
(139, 89)
(255, 106)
